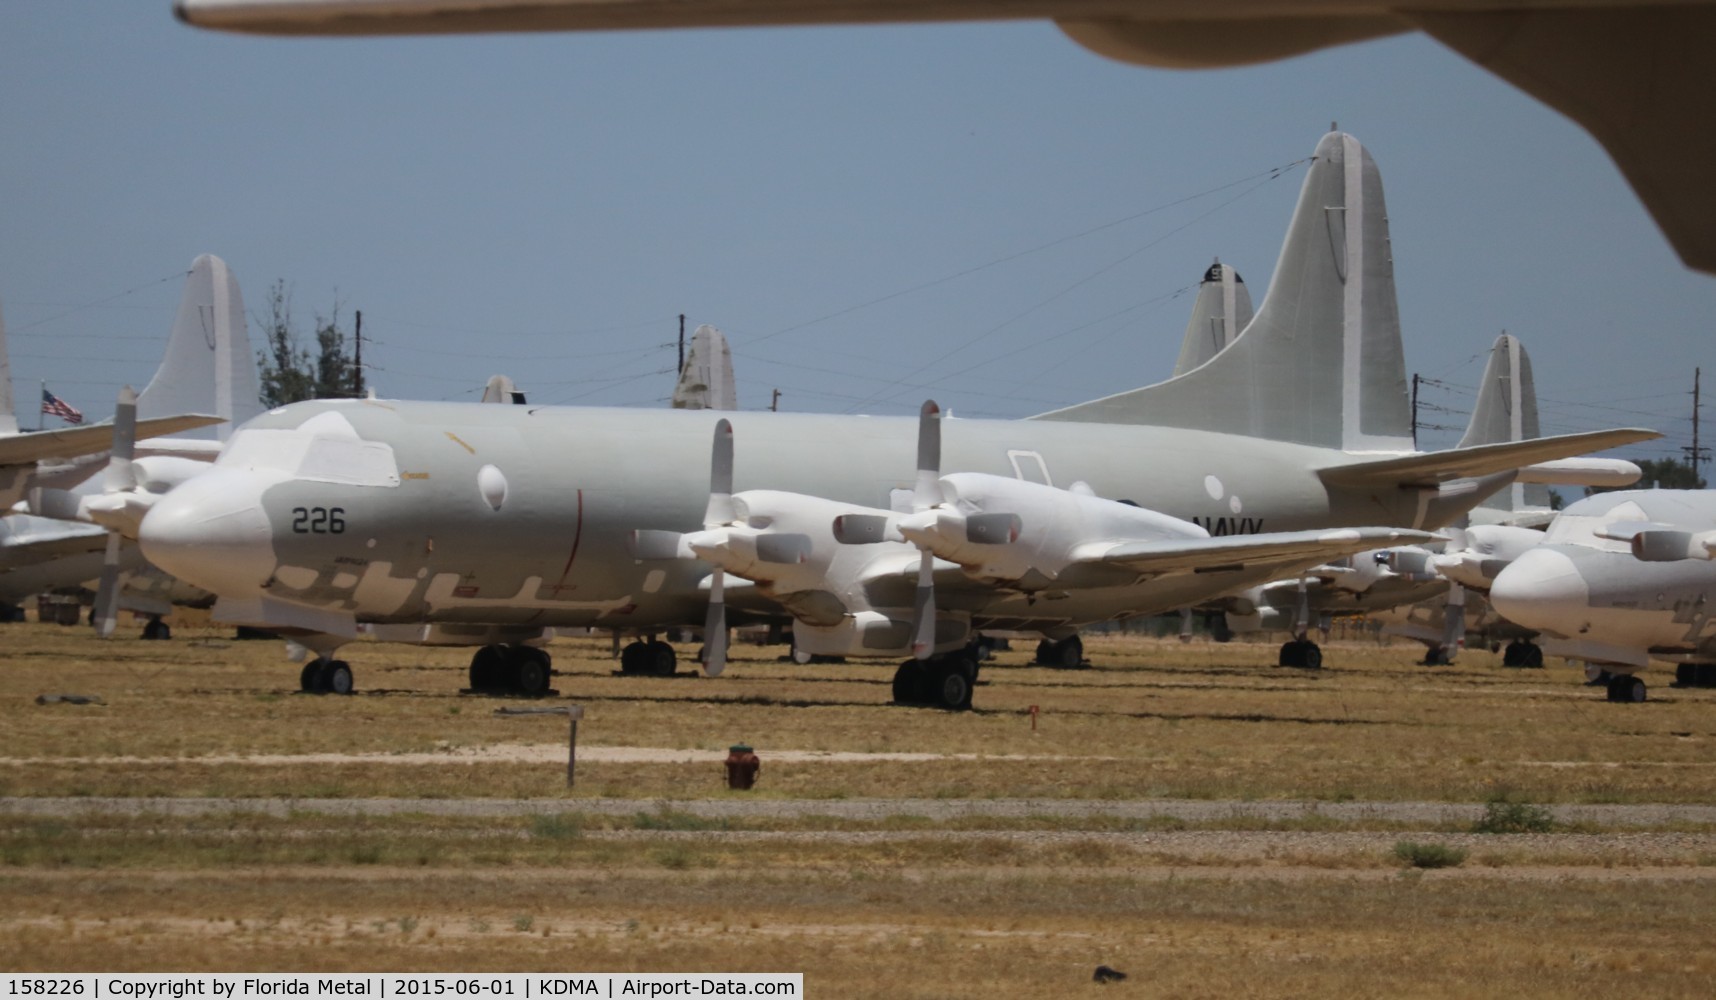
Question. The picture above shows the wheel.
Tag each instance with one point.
(1685, 675)
(1435, 657)
(662, 659)
(1705, 675)
(1071, 653)
(1514, 656)
(337, 677)
(157, 629)
(1313, 656)
(908, 683)
(1290, 655)
(952, 683)
(486, 668)
(633, 658)
(1634, 689)
(1045, 653)
(532, 668)
(310, 678)
(1533, 659)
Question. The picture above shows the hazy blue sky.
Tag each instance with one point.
(547, 205)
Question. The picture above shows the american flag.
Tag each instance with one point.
(54, 406)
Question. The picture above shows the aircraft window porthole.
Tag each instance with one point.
(1213, 487)
(492, 485)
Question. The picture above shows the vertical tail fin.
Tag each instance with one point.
(1321, 362)
(706, 383)
(208, 367)
(1507, 411)
(1222, 310)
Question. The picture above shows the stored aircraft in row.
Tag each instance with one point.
(492, 523)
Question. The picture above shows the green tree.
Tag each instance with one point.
(288, 373)
(1667, 473)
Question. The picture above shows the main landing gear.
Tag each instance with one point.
(945, 681)
(1300, 652)
(1062, 654)
(1523, 653)
(325, 675)
(509, 669)
(1700, 675)
(652, 657)
(1626, 687)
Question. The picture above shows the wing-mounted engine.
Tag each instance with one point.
(844, 600)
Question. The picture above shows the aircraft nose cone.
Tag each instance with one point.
(1542, 589)
(212, 532)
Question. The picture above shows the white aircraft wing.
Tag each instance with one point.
(1198, 555)
(1431, 468)
(74, 442)
(31, 541)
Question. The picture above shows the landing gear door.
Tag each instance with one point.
(1029, 466)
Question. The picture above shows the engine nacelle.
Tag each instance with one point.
(1025, 534)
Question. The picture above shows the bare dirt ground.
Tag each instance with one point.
(1192, 814)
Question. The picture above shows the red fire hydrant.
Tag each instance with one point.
(742, 767)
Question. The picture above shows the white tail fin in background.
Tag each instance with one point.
(1222, 310)
(1507, 411)
(706, 381)
(208, 367)
(1321, 362)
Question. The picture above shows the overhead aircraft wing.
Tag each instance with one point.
(74, 442)
(31, 541)
(1203, 555)
(1435, 467)
(1634, 73)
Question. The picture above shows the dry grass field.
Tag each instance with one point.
(887, 850)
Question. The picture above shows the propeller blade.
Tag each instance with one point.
(720, 510)
(120, 475)
(107, 594)
(1454, 618)
(715, 627)
(928, 491)
(923, 609)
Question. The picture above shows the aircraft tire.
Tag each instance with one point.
(1313, 656)
(633, 656)
(1513, 656)
(1705, 675)
(337, 677)
(531, 667)
(662, 660)
(1045, 653)
(1289, 655)
(310, 677)
(1686, 675)
(909, 683)
(1533, 658)
(486, 668)
(953, 686)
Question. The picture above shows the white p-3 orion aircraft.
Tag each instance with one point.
(485, 525)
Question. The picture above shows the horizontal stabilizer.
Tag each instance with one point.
(1192, 555)
(1431, 468)
(75, 442)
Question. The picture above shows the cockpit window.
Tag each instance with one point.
(302, 454)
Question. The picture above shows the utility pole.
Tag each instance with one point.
(357, 359)
(681, 343)
(775, 403)
(1695, 454)
(1414, 411)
